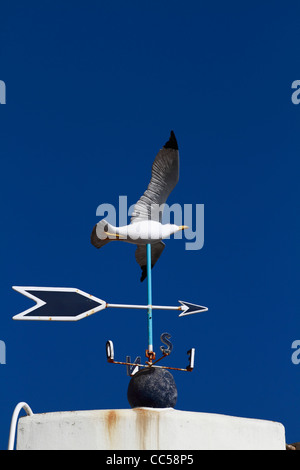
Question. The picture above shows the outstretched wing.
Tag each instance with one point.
(141, 256)
(165, 175)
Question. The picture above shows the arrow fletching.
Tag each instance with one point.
(58, 304)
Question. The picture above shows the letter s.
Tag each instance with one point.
(165, 337)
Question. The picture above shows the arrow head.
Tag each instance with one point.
(190, 309)
(59, 303)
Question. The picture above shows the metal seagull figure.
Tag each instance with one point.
(145, 226)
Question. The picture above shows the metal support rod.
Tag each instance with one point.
(149, 279)
(145, 307)
(149, 365)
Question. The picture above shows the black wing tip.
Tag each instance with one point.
(144, 273)
(172, 142)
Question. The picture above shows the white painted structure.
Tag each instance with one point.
(147, 429)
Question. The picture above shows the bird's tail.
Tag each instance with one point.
(103, 233)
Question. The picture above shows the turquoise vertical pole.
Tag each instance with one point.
(149, 279)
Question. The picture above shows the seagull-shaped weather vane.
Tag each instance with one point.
(146, 226)
(147, 232)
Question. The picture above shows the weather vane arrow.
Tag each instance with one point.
(71, 304)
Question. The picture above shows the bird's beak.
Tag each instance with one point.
(116, 235)
(182, 227)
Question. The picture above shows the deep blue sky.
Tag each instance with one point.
(93, 90)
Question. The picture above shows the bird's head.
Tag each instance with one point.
(170, 229)
(181, 227)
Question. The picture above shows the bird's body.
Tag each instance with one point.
(145, 226)
(148, 231)
(139, 233)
